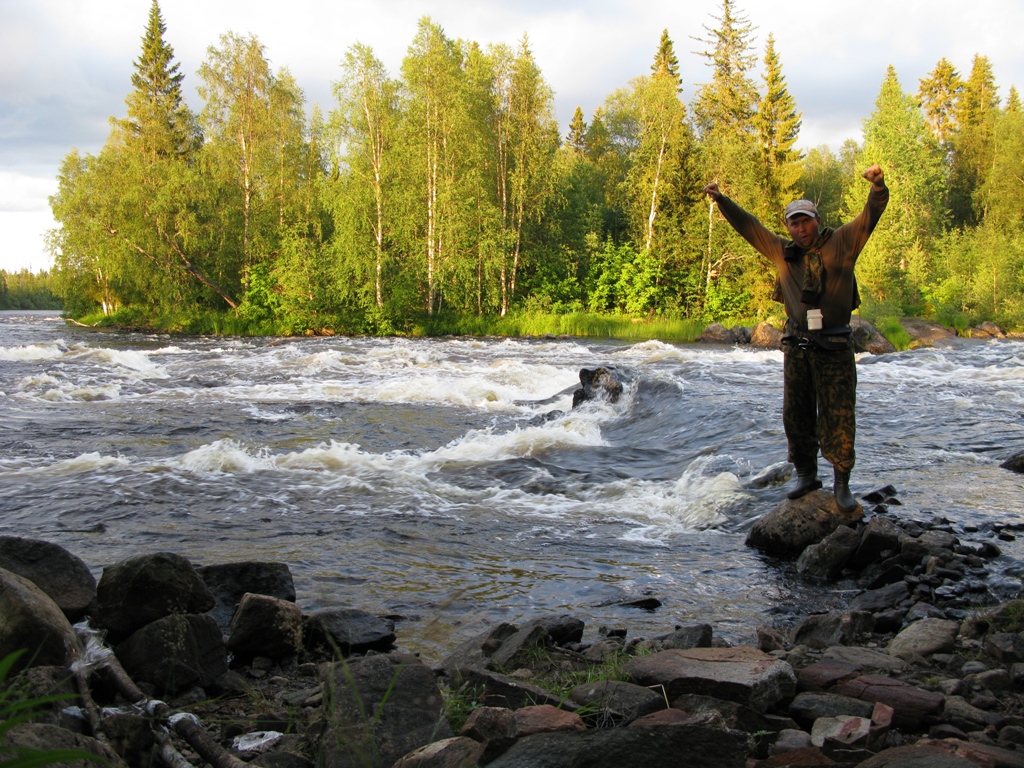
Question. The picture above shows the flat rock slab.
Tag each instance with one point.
(796, 524)
(742, 674)
(868, 658)
(911, 704)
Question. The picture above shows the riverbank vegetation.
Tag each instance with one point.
(445, 197)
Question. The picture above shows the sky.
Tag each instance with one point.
(66, 65)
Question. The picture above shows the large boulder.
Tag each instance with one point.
(175, 653)
(925, 332)
(43, 736)
(597, 384)
(742, 674)
(716, 333)
(30, 620)
(795, 524)
(142, 589)
(766, 336)
(63, 576)
(265, 626)
(821, 630)
(866, 338)
(615, 702)
(476, 652)
(377, 709)
(347, 630)
(228, 582)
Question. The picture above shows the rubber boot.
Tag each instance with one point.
(806, 481)
(841, 489)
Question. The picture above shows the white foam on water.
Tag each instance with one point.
(83, 463)
(59, 391)
(33, 352)
(256, 414)
(130, 359)
(223, 456)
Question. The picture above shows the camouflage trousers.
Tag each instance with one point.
(818, 405)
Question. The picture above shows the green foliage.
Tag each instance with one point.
(892, 330)
(442, 198)
(25, 290)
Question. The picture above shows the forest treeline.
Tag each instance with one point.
(446, 192)
(28, 290)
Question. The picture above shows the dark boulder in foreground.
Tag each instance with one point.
(228, 582)
(63, 576)
(347, 630)
(142, 589)
(30, 620)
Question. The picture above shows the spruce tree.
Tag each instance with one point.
(577, 138)
(730, 99)
(778, 127)
(158, 117)
(976, 114)
(1013, 101)
(665, 61)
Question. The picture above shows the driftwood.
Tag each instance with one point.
(185, 725)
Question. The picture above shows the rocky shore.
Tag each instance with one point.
(217, 665)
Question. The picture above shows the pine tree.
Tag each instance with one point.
(778, 127)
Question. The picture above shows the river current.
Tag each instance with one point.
(430, 479)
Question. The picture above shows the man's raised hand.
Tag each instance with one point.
(874, 175)
(712, 190)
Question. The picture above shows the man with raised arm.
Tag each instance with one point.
(819, 292)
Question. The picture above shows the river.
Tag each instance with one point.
(429, 479)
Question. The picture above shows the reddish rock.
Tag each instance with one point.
(544, 718)
(822, 675)
(670, 716)
(910, 704)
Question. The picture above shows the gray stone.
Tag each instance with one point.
(515, 648)
(925, 637)
(30, 620)
(685, 636)
(877, 600)
(825, 560)
(454, 752)
(995, 680)
(175, 653)
(716, 333)
(790, 739)
(797, 523)
(866, 338)
(809, 706)
(43, 736)
(766, 336)
(498, 690)
(848, 730)
(228, 582)
(868, 658)
(61, 575)
(958, 708)
(879, 535)
(1007, 647)
(563, 628)
(383, 706)
(142, 589)
(925, 331)
(733, 715)
(477, 651)
(742, 674)
(693, 744)
(615, 702)
(265, 626)
(822, 630)
(345, 631)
